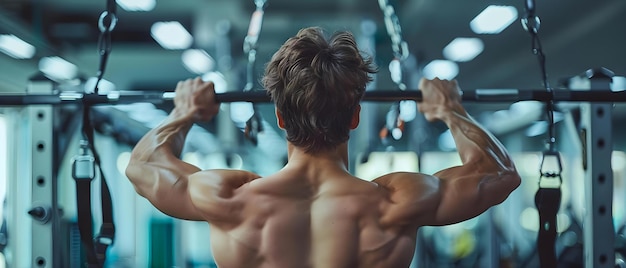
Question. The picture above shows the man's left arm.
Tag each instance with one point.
(159, 175)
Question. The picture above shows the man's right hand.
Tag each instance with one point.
(196, 99)
(439, 98)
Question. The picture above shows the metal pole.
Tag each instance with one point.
(258, 96)
(43, 199)
(598, 228)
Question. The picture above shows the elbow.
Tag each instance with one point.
(516, 180)
(135, 175)
(496, 188)
(510, 180)
(131, 173)
(131, 170)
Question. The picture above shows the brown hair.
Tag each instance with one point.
(317, 85)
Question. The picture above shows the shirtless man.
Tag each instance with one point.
(313, 212)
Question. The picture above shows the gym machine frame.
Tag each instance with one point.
(596, 124)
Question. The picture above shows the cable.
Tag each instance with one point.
(106, 25)
(547, 198)
(83, 168)
(253, 125)
(394, 124)
(531, 23)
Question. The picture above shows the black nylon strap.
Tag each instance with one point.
(547, 201)
(85, 221)
(95, 248)
(106, 235)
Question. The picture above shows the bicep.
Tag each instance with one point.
(166, 186)
(466, 194)
(447, 197)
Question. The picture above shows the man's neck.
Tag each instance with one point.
(298, 156)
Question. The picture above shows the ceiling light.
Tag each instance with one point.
(494, 19)
(137, 5)
(15, 47)
(443, 69)
(171, 35)
(463, 49)
(57, 68)
(197, 61)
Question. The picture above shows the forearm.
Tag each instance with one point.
(156, 155)
(476, 145)
(487, 175)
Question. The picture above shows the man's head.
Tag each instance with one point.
(317, 85)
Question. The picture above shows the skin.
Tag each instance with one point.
(313, 212)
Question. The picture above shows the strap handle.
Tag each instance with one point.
(547, 201)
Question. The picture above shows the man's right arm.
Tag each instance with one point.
(486, 177)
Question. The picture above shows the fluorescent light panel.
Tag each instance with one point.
(16, 47)
(443, 69)
(494, 19)
(463, 49)
(137, 5)
(197, 61)
(57, 68)
(171, 35)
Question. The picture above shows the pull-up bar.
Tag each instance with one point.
(260, 96)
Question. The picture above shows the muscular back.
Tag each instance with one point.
(313, 213)
(291, 220)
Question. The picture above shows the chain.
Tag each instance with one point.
(531, 24)
(548, 197)
(394, 125)
(392, 23)
(254, 125)
(106, 25)
(250, 42)
(399, 47)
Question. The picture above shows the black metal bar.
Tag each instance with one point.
(256, 96)
(260, 96)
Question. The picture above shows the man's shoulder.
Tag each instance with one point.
(399, 179)
(222, 180)
(410, 187)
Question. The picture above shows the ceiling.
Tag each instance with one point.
(576, 35)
